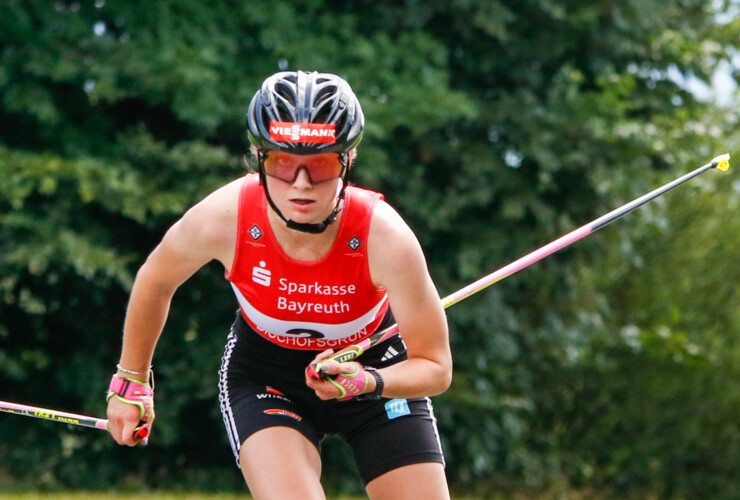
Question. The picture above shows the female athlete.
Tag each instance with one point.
(316, 265)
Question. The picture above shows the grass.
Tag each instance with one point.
(84, 495)
(87, 495)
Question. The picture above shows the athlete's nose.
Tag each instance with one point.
(302, 178)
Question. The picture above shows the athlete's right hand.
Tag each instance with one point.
(130, 413)
(341, 381)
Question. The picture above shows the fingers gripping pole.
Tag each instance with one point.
(721, 162)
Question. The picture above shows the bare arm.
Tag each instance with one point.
(206, 232)
(171, 263)
(397, 262)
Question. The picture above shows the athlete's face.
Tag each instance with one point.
(301, 199)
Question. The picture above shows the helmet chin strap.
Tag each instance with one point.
(306, 227)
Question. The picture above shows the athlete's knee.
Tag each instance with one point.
(422, 480)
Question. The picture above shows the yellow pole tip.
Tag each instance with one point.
(722, 162)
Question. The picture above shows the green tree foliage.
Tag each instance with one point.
(666, 356)
(494, 126)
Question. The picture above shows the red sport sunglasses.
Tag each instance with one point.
(320, 167)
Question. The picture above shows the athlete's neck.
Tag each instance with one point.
(300, 245)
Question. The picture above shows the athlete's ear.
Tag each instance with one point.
(351, 155)
(250, 161)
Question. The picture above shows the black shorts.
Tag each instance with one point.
(263, 385)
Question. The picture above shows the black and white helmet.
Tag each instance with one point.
(305, 113)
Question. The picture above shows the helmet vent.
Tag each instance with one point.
(325, 94)
(285, 92)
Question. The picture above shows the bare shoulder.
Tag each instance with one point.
(387, 223)
(209, 227)
(222, 204)
(393, 249)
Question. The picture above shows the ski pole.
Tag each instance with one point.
(721, 162)
(141, 433)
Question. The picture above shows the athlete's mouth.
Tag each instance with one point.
(301, 201)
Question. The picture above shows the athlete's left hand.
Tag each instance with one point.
(340, 380)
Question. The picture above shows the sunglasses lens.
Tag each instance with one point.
(320, 167)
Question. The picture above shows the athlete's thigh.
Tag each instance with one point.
(280, 462)
(248, 407)
(391, 434)
(422, 480)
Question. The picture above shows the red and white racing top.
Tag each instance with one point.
(322, 304)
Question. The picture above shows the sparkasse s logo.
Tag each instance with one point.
(310, 133)
(260, 275)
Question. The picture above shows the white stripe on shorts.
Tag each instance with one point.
(223, 397)
(436, 430)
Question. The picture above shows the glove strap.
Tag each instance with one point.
(133, 392)
(351, 384)
(379, 384)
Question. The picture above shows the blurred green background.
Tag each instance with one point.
(608, 370)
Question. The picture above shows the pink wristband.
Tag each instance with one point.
(133, 392)
(351, 384)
